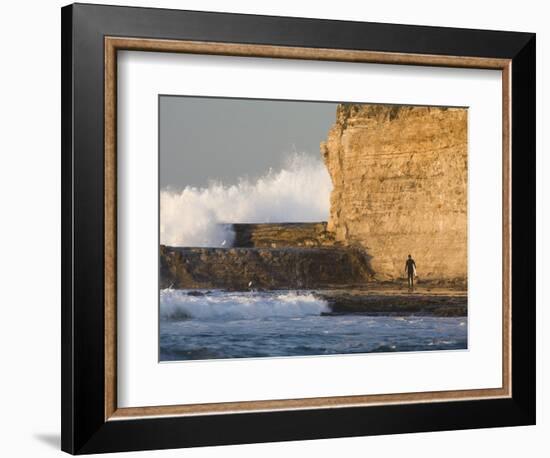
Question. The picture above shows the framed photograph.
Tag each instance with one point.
(284, 228)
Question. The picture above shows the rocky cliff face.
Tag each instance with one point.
(277, 235)
(267, 256)
(261, 268)
(400, 186)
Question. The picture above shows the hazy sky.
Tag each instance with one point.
(223, 139)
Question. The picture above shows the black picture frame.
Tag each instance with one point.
(84, 428)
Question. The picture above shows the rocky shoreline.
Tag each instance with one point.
(442, 303)
(385, 301)
(304, 257)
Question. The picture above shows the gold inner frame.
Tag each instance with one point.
(114, 44)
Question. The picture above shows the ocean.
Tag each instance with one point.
(201, 324)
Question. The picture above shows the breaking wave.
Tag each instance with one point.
(202, 217)
(184, 304)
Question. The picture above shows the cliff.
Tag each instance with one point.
(399, 179)
(262, 268)
(276, 235)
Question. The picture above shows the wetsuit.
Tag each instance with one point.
(410, 267)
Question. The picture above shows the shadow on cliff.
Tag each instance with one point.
(362, 262)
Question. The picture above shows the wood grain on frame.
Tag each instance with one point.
(112, 45)
(110, 199)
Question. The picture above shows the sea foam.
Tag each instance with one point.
(216, 305)
(202, 217)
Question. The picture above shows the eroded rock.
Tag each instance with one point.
(400, 186)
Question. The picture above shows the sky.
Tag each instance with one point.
(223, 139)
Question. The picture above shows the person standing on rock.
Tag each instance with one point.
(410, 268)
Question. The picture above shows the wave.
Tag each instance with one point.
(202, 217)
(183, 304)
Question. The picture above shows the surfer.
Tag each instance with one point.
(410, 268)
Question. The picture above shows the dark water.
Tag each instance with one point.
(252, 325)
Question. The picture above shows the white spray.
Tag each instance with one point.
(202, 217)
